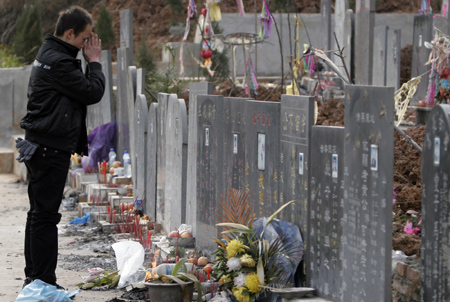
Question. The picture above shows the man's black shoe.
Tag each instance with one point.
(27, 281)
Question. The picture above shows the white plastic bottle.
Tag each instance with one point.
(112, 157)
(127, 164)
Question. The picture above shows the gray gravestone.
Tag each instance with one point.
(6, 122)
(423, 27)
(297, 118)
(126, 32)
(152, 147)
(339, 30)
(163, 102)
(380, 56)
(262, 155)
(195, 89)
(435, 233)
(209, 168)
(140, 81)
(122, 117)
(140, 119)
(368, 183)
(326, 210)
(131, 100)
(349, 33)
(234, 145)
(176, 163)
(394, 58)
(364, 24)
(102, 112)
(325, 12)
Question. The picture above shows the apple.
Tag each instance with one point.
(202, 261)
(186, 235)
(116, 164)
(174, 234)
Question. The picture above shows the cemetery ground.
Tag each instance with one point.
(83, 247)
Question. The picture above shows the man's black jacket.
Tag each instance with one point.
(58, 95)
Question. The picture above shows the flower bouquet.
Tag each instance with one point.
(247, 263)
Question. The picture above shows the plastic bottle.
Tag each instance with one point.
(112, 157)
(127, 164)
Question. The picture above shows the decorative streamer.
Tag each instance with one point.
(250, 72)
(214, 10)
(266, 21)
(432, 83)
(241, 7)
(192, 12)
(309, 60)
(425, 7)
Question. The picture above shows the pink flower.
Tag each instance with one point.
(410, 230)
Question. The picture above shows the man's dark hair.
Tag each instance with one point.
(75, 17)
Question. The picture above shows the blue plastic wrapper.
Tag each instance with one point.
(39, 291)
(82, 220)
(272, 232)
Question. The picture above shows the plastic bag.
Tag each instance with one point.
(82, 220)
(184, 228)
(38, 291)
(130, 259)
(397, 256)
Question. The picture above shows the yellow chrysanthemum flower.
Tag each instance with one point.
(247, 260)
(237, 293)
(252, 283)
(224, 279)
(234, 247)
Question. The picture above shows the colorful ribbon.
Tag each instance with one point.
(241, 7)
(250, 71)
(266, 21)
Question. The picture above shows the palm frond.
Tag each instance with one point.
(235, 208)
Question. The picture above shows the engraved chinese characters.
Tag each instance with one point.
(435, 231)
(368, 187)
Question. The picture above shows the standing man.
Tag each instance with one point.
(55, 128)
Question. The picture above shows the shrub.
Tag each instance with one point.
(104, 28)
(28, 35)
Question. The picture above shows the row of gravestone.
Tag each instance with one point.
(340, 179)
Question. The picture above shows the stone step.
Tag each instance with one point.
(6, 160)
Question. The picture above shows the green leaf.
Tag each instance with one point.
(197, 285)
(234, 225)
(260, 270)
(178, 266)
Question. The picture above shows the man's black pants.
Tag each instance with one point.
(47, 171)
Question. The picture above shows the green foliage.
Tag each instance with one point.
(166, 81)
(145, 56)
(28, 36)
(219, 60)
(176, 6)
(104, 28)
(7, 59)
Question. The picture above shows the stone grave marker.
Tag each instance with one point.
(297, 118)
(394, 49)
(152, 147)
(176, 163)
(234, 145)
(140, 163)
(262, 155)
(6, 122)
(326, 210)
(423, 27)
(326, 24)
(364, 31)
(380, 56)
(126, 32)
(435, 233)
(368, 187)
(163, 102)
(349, 29)
(131, 100)
(195, 89)
(102, 112)
(140, 81)
(122, 117)
(210, 125)
(339, 30)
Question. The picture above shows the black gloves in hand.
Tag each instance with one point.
(26, 149)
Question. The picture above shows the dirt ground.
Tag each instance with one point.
(76, 253)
